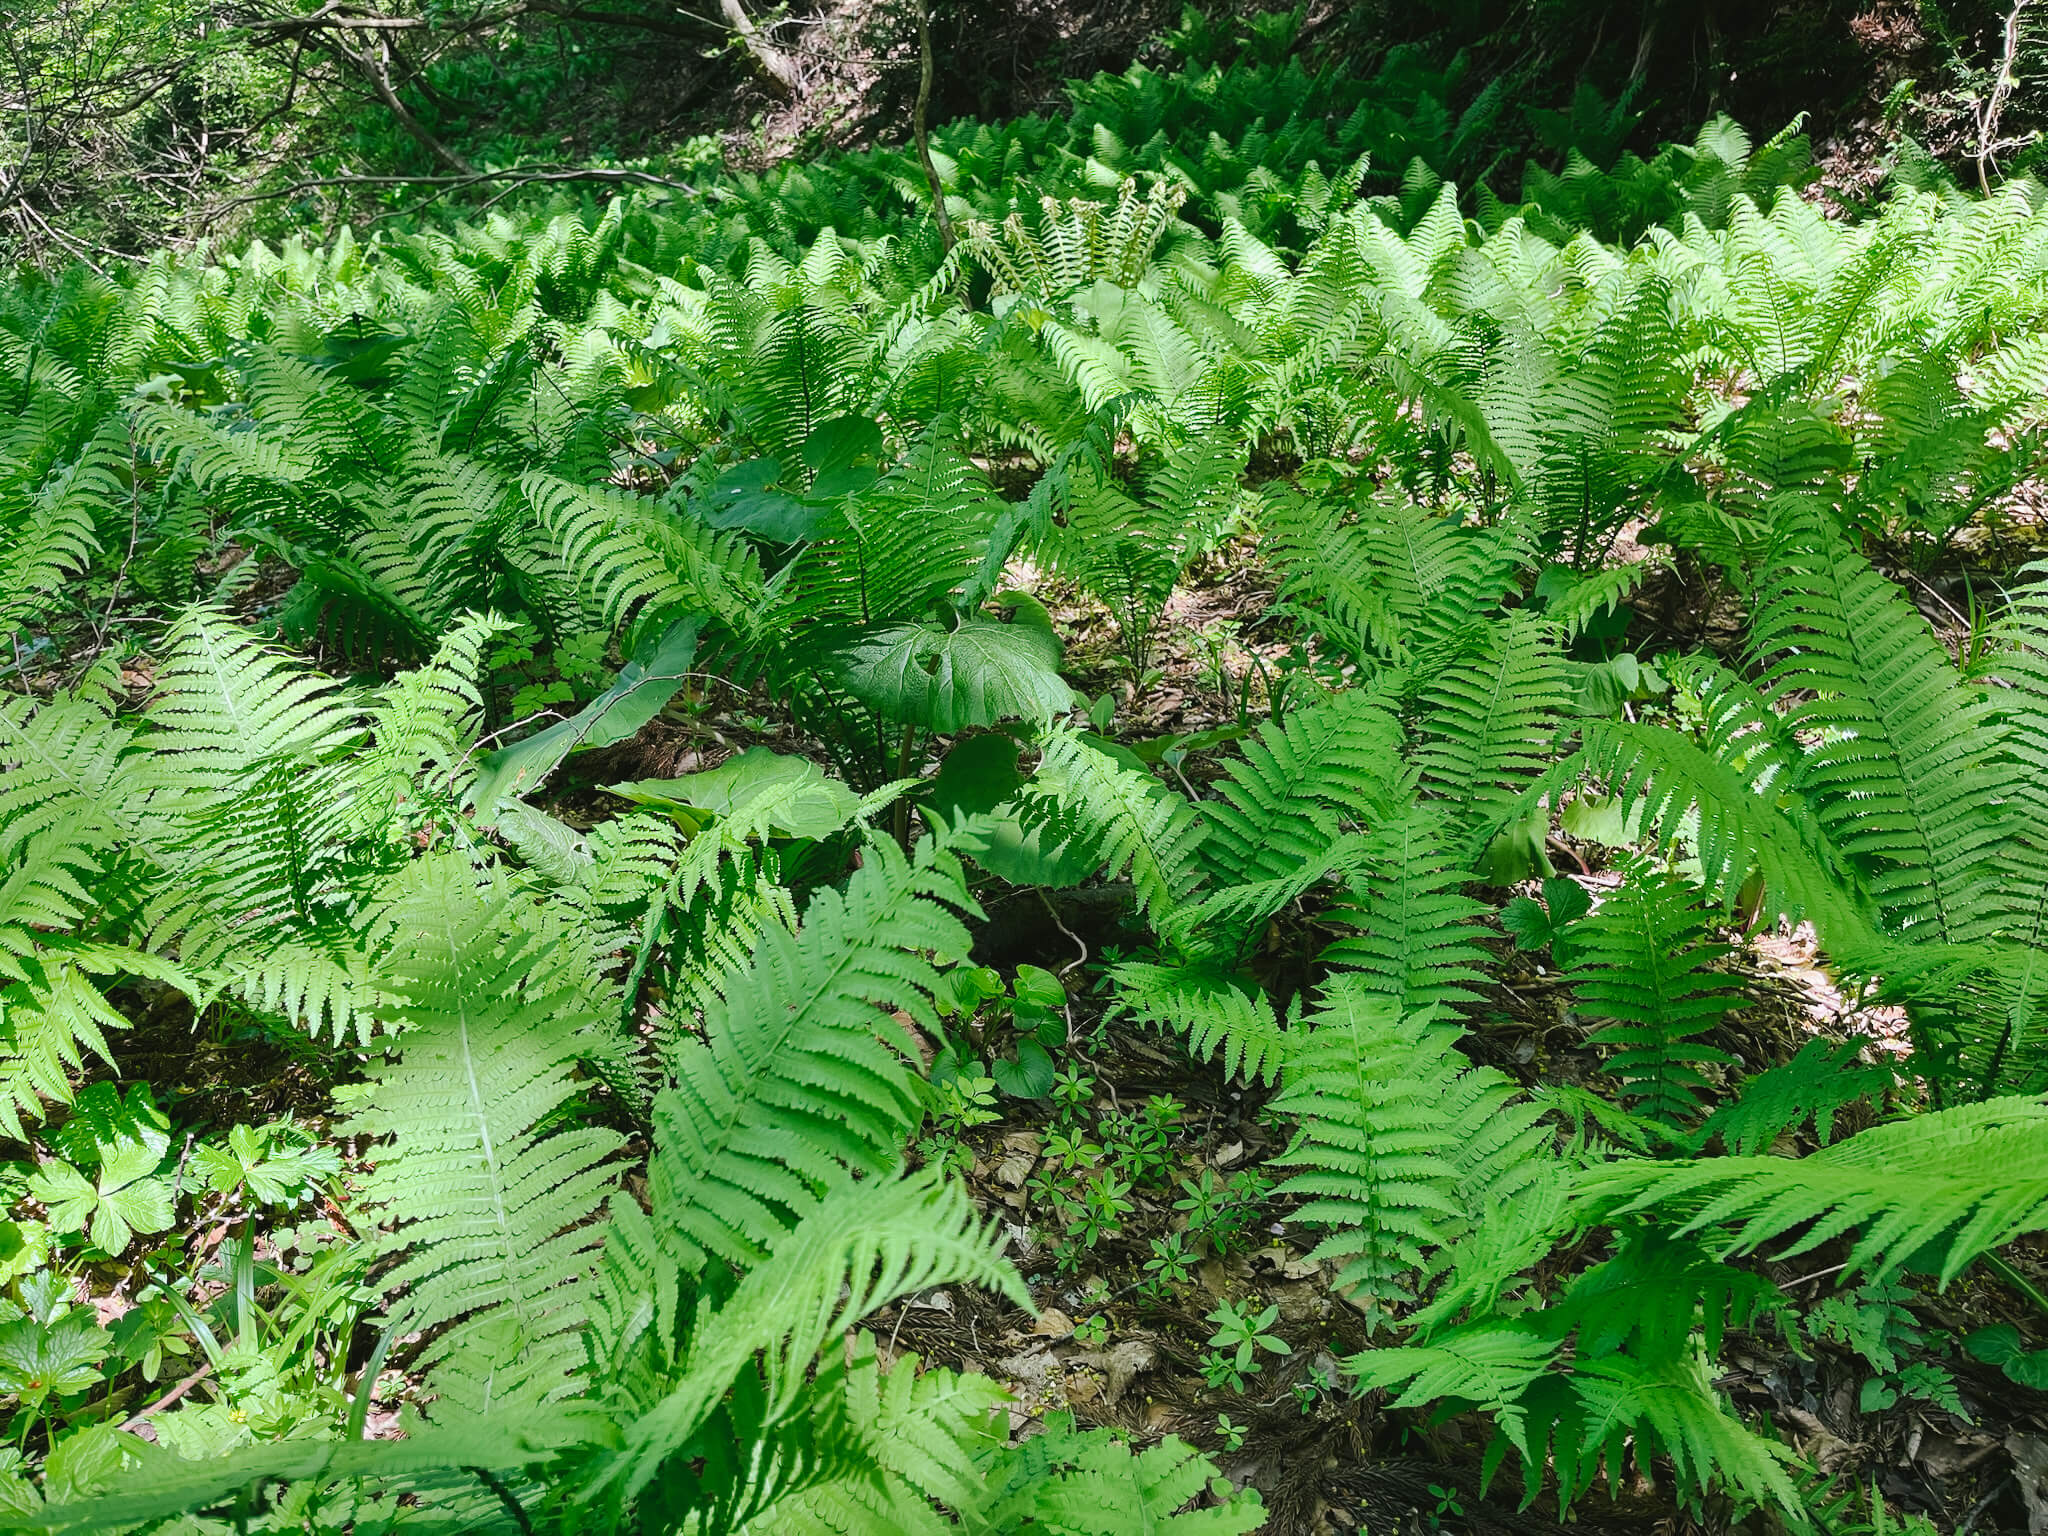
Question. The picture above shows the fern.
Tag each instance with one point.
(1823, 1079)
(1131, 822)
(1297, 784)
(1399, 579)
(483, 1202)
(1489, 724)
(1416, 939)
(910, 1424)
(1085, 1484)
(49, 527)
(798, 1076)
(1217, 1013)
(1641, 1329)
(1642, 961)
(1899, 775)
(1383, 1167)
(859, 1248)
(1938, 1190)
(1129, 551)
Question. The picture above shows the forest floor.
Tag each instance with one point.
(1118, 1344)
(1198, 1152)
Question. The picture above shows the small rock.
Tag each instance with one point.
(2030, 1470)
(1301, 1303)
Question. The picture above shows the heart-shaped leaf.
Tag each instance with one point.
(1029, 1076)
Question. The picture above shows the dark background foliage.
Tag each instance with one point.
(131, 123)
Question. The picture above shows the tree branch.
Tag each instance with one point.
(779, 66)
(377, 72)
(1989, 112)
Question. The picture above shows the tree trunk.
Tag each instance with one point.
(918, 127)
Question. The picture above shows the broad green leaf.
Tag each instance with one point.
(644, 685)
(66, 1194)
(747, 496)
(38, 1362)
(1029, 1076)
(808, 803)
(978, 673)
(841, 442)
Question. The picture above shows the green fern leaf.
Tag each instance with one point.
(1643, 963)
(483, 1202)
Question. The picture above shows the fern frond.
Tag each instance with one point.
(1299, 783)
(1938, 1189)
(1642, 962)
(483, 1199)
(1217, 1014)
(801, 1073)
(226, 705)
(1379, 1162)
(1416, 932)
(49, 531)
(1692, 796)
(1898, 772)
(1133, 822)
(425, 723)
(1824, 1078)
(859, 1247)
(623, 553)
(49, 1022)
(1088, 1484)
(1489, 724)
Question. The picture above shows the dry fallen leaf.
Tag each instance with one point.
(1053, 1323)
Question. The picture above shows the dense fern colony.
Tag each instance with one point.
(323, 566)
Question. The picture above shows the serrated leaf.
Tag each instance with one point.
(38, 1362)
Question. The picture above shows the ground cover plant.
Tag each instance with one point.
(732, 862)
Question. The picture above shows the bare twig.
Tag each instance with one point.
(170, 1397)
(1992, 107)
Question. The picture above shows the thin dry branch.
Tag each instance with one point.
(1992, 107)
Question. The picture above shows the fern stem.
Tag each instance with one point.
(899, 814)
(512, 1506)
